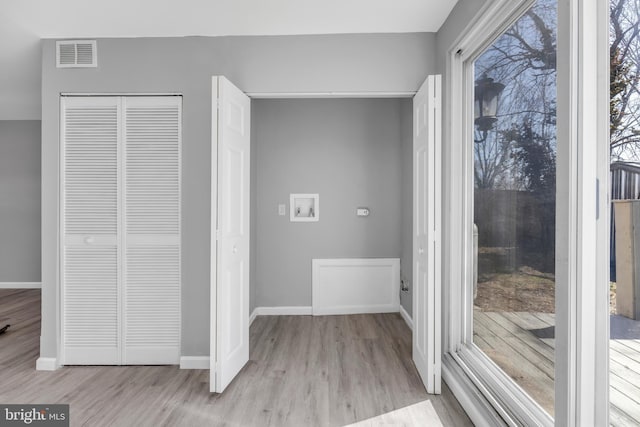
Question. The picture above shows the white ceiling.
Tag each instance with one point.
(24, 22)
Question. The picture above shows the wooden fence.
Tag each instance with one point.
(625, 185)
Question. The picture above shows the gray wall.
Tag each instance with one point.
(20, 201)
(349, 152)
(374, 62)
(458, 20)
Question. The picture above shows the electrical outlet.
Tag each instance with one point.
(282, 210)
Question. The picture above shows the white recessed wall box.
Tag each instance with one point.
(304, 207)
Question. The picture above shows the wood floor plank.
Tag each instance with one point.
(537, 382)
(626, 388)
(625, 404)
(528, 320)
(503, 327)
(625, 363)
(632, 344)
(624, 372)
(522, 355)
(625, 355)
(617, 418)
(548, 318)
(539, 345)
(303, 371)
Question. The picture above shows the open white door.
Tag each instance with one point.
(426, 233)
(230, 173)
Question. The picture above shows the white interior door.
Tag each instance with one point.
(89, 227)
(151, 230)
(120, 224)
(426, 233)
(230, 232)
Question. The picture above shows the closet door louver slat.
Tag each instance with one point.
(90, 140)
(91, 170)
(152, 129)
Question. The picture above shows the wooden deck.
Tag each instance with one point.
(529, 360)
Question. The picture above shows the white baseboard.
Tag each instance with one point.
(308, 311)
(46, 364)
(282, 311)
(20, 285)
(406, 317)
(356, 309)
(194, 362)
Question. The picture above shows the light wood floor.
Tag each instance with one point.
(303, 371)
(529, 360)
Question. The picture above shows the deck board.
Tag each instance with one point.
(507, 338)
(522, 348)
(619, 418)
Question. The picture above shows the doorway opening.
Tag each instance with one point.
(353, 155)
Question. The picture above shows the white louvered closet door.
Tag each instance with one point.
(151, 292)
(89, 231)
(120, 224)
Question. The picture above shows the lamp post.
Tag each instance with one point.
(487, 94)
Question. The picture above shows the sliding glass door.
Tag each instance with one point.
(514, 202)
(526, 226)
(503, 205)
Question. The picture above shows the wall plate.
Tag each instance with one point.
(304, 207)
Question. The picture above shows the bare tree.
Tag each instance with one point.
(524, 60)
(492, 161)
(624, 53)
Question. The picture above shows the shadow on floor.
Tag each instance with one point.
(621, 328)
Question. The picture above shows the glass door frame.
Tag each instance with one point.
(582, 215)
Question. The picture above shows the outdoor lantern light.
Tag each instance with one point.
(487, 93)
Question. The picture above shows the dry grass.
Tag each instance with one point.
(523, 290)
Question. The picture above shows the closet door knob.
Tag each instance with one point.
(88, 240)
(235, 249)
(420, 251)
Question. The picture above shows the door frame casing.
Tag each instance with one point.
(582, 307)
(213, 264)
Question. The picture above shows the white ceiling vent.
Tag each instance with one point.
(76, 54)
